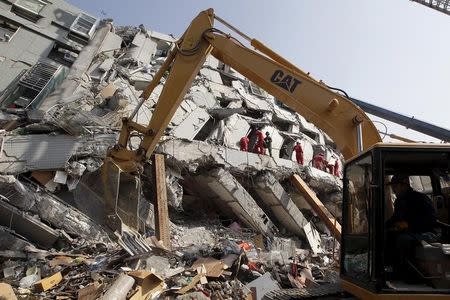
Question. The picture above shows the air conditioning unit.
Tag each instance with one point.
(29, 9)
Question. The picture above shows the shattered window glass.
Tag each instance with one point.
(358, 178)
(359, 195)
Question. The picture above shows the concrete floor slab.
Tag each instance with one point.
(239, 201)
(277, 199)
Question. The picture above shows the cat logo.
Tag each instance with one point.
(286, 82)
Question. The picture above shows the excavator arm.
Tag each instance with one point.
(343, 121)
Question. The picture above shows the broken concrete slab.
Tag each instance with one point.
(8, 240)
(192, 155)
(24, 153)
(53, 211)
(28, 226)
(241, 203)
(201, 96)
(141, 49)
(322, 181)
(174, 188)
(318, 207)
(68, 218)
(313, 237)
(252, 102)
(190, 126)
(111, 43)
(277, 199)
(263, 285)
(229, 131)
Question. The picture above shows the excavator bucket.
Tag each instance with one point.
(110, 196)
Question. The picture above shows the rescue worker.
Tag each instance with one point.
(244, 143)
(330, 168)
(259, 146)
(268, 143)
(298, 153)
(413, 220)
(336, 168)
(319, 161)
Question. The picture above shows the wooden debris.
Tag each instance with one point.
(294, 283)
(258, 240)
(61, 261)
(108, 91)
(252, 295)
(91, 292)
(43, 177)
(202, 271)
(318, 207)
(6, 292)
(213, 267)
(149, 284)
(48, 282)
(162, 227)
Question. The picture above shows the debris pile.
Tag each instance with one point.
(233, 264)
(246, 217)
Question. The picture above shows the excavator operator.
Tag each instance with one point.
(413, 220)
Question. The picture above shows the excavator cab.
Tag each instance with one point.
(368, 204)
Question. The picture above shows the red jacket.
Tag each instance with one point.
(298, 149)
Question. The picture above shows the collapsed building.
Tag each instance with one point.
(68, 80)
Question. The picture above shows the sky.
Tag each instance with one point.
(391, 53)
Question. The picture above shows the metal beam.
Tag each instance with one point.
(409, 122)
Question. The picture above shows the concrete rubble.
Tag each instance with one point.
(239, 228)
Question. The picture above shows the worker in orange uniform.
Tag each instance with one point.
(319, 161)
(259, 146)
(244, 143)
(298, 153)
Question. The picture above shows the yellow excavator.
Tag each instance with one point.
(367, 200)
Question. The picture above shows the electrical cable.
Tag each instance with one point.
(337, 89)
(385, 133)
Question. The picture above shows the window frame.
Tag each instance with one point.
(366, 281)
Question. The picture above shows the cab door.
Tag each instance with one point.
(356, 254)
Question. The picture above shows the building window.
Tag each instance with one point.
(83, 28)
(7, 30)
(28, 9)
(256, 90)
(358, 183)
(62, 55)
(33, 86)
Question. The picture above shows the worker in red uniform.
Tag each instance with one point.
(298, 153)
(330, 168)
(244, 143)
(259, 146)
(336, 168)
(319, 161)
